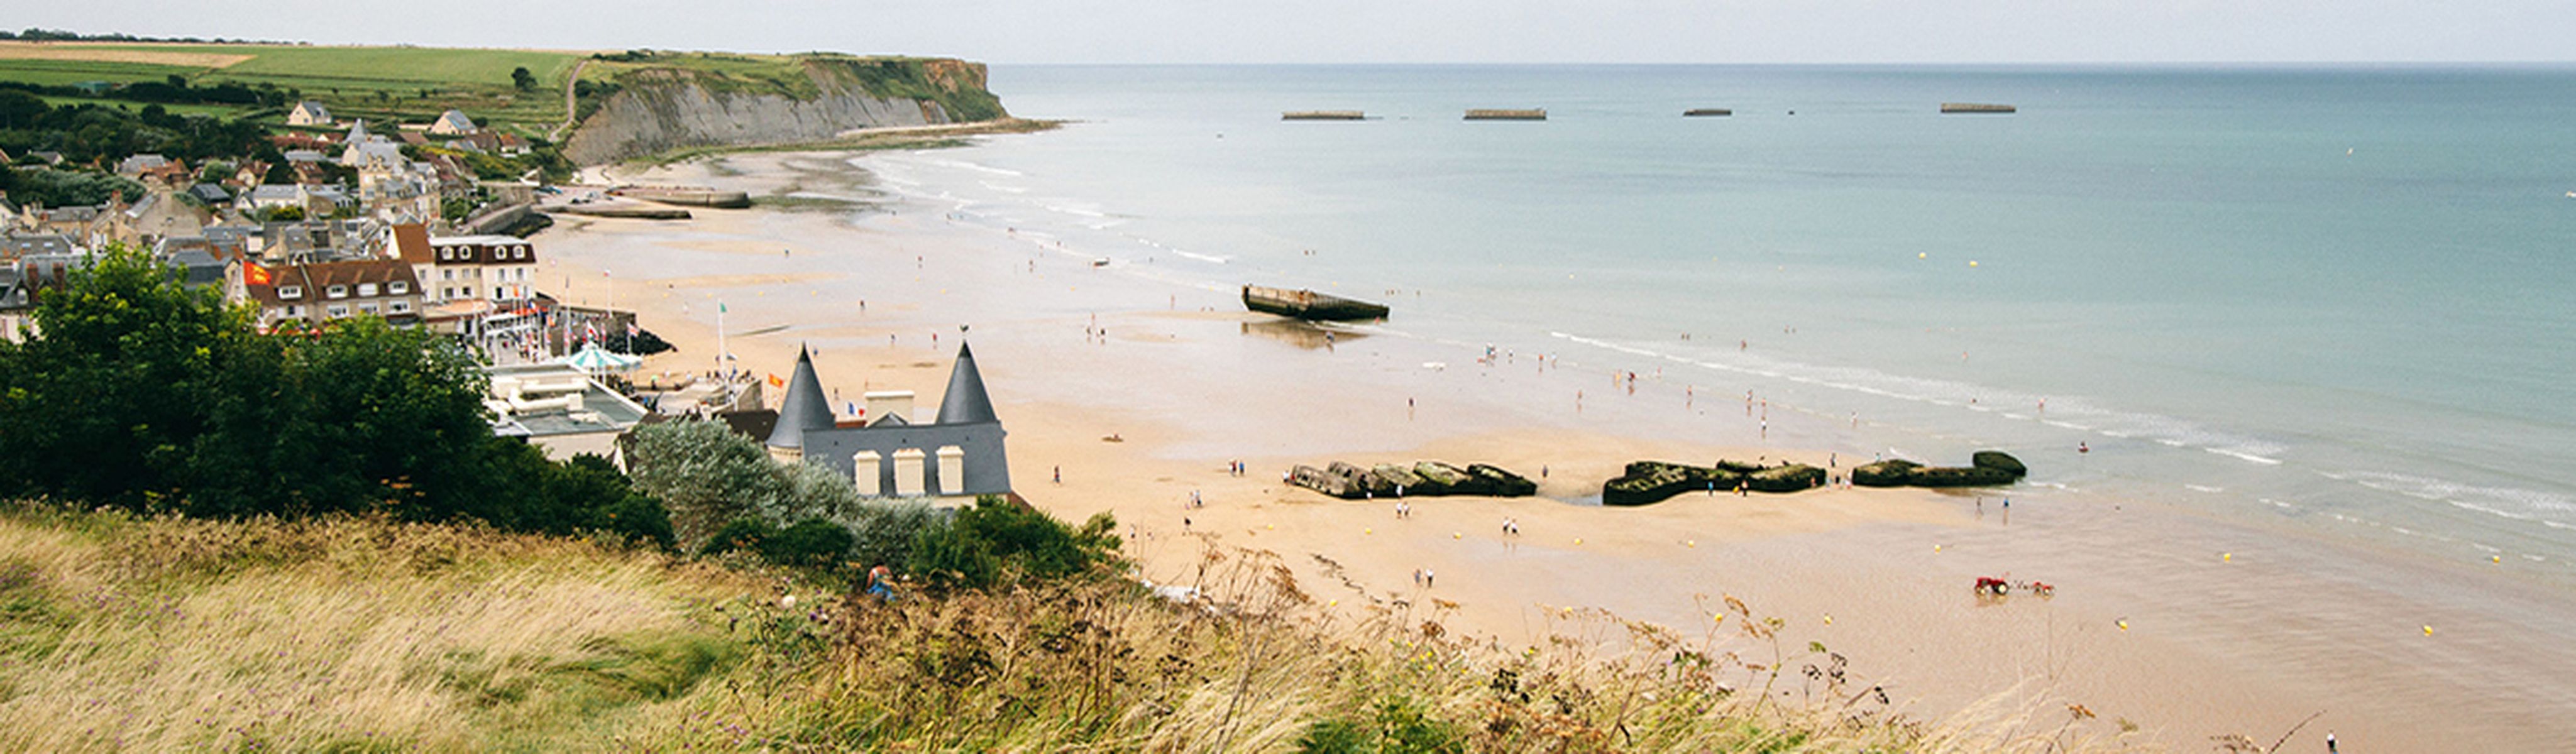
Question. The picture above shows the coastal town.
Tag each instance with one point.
(361, 397)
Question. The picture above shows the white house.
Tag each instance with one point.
(452, 123)
(308, 113)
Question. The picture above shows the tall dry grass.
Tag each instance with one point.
(1257, 666)
(363, 635)
(337, 634)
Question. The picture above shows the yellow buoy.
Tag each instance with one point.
(1578, 540)
(1333, 603)
(1719, 618)
(1829, 619)
(1922, 255)
(1936, 548)
(2495, 558)
(1972, 263)
(1455, 535)
(2428, 630)
(2124, 623)
(2227, 556)
(1368, 531)
(1693, 543)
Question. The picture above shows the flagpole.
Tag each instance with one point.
(612, 302)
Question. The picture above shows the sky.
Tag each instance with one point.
(1405, 31)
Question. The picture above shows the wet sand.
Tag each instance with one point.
(2229, 628)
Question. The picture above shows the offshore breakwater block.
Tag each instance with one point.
(1988, 468)
(1791, 478)
(1420, 479)
(1650, 482)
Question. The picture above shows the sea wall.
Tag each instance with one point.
(657, 110)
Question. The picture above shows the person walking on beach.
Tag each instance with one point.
(1059, 475)
(2330, 743)
(1426, 578)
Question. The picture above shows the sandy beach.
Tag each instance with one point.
(2186, 627)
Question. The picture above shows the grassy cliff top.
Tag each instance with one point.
(415, 84)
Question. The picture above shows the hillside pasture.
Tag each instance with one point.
(57, 72)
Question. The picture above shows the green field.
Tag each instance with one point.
(376, 83)
(61, 72)
(218, 111)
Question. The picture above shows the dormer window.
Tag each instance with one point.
(290, 291)
(520, 253)
(339, 291)
(398, 288)
(446, 254)
(366, 289)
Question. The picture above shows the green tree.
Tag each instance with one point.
(522, 79)
(105, 402)
(706, 475)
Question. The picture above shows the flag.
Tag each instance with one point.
(774, 381)
(254, 274)
(720, 307)
(632, 331)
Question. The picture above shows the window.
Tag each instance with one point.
(290, 291)
(339, 310)
(447, 274)
(398, 287)
(446, 254)
(519, 253)
(366, 289)
(369, 307)
(339, 291)
(294, 311)
(499, 292)
(399, 307)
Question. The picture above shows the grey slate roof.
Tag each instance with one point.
(804, 407)
(965, 401)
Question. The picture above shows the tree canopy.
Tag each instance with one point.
(138, 393)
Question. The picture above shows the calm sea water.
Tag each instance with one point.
(2335, 298)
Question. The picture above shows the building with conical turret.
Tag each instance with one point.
(803, 409)
(958, 453)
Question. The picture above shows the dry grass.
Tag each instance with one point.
(1259, 668)
(115, 53)
(359, 635)
(339, 634)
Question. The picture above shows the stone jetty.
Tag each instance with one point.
(1323, 115)
(1971, 108)
(1492, 114)
(1707, 112)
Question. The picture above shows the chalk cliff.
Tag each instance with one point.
(653, 109)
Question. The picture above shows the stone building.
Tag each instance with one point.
(958, 453)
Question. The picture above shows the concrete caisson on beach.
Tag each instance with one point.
(1306, 304)
(1323, 115)
(1975, 108)
(1506, 114)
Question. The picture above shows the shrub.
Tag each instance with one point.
(997, 542)
(811, 543)
(739, 535)
(884, 533)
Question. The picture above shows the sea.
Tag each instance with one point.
(2338, 301)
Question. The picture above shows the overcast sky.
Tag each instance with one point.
(1422, 31)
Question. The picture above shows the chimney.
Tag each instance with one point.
(884, 403)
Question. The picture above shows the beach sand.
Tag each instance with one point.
(2186, 626)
